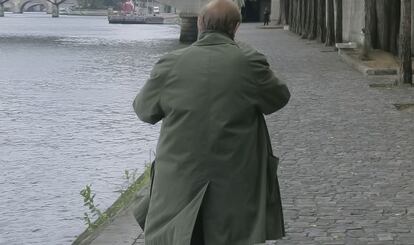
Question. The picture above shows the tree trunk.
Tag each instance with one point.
(308, 19)
(283, 12)
(291, 14)
(304, 18)
(338, 21)
(297, 16)
(330, 23)
(395, 17)
(383, 21)
(405, 43)
(301, 16)
(370, 29)
(55, 10)
(313, 20)
(189, 31)
(281, 20)
(321, 30)
(287, 8)
(1, 10)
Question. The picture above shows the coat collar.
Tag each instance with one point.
(213, 38)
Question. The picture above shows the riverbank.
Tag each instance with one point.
(85, 12)
(150, 19)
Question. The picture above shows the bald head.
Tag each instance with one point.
(220, 15)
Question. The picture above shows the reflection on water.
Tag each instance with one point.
(66, 119)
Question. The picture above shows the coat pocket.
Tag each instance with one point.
(272, 164)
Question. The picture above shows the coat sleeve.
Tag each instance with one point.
(147, 104)
(272, 94)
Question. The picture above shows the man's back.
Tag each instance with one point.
(209, 88)
(212, 156)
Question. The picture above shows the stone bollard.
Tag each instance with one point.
(189, 30)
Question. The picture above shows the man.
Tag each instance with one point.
(215, 176)
(266, 16)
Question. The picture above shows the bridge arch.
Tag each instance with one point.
(24, 4)
(42, 6)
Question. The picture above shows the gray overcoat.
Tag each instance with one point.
(213, 156)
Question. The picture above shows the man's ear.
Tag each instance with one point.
(236, 28)
(199, 24)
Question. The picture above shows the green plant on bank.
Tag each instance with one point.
(94, 212)
(130, 177)
(94, 217)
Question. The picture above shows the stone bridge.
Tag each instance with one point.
(21, 6)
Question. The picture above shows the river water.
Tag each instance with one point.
(66, 119)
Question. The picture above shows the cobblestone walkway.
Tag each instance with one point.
(347, 157)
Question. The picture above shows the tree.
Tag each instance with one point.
(294, 22)
(330, 23)
(406, 72)
(290, 14)
(2, 2)
(283, 12)
(338, 21)
(55, 4)
(383, 21)
(313, 19)
(321, 24)
(303, 18)
(395, 17)
(370, 28)
(305, 34)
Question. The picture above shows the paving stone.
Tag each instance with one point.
(385, 237)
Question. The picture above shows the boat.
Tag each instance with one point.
(142, 19)
(131, 14)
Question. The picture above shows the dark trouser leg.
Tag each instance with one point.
(198, 235)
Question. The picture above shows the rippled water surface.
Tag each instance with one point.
(66, 119)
